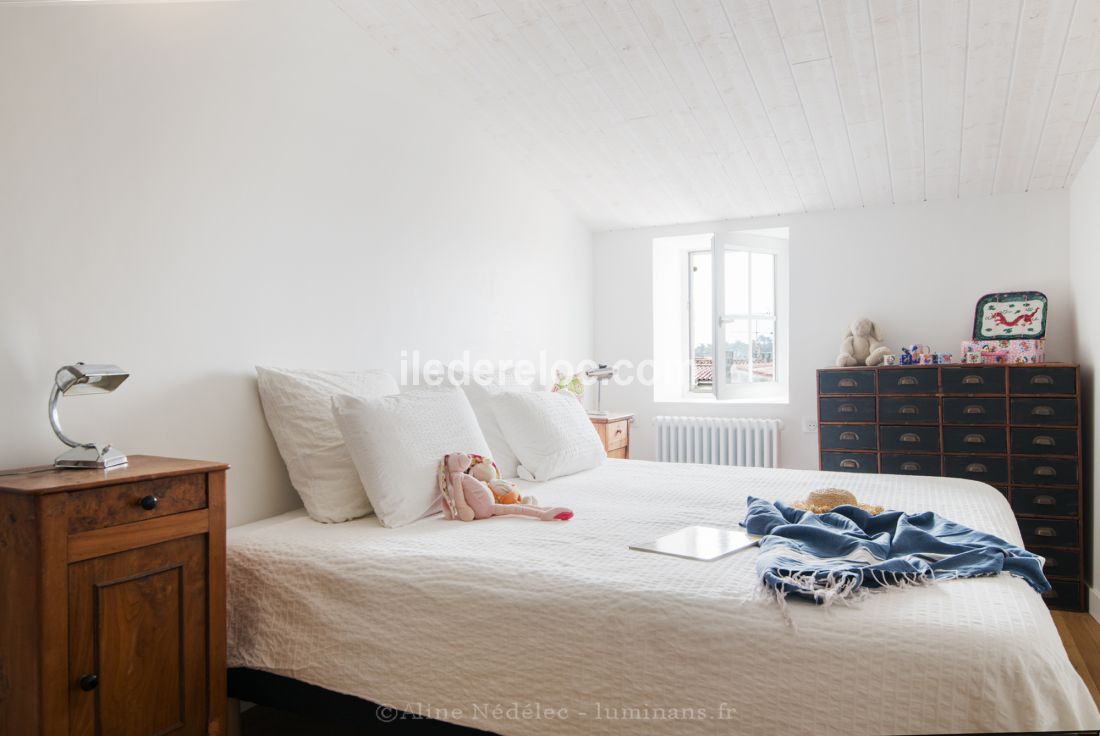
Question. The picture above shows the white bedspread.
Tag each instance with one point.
(526, 627)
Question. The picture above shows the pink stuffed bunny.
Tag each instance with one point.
(467, 498)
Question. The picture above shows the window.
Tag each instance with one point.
(735, 293)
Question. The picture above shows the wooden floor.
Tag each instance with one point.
(1080, 635)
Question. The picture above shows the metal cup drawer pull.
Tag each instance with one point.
(910, 466)
(972, 380)
(1044, 471)
(847, 408)
(974, 409)
(1051, 594)
(850, 436)
(907, 381)
(1050, 562)
(846, 383)
(1043, 411)
(1043, 440)
(1042, 380)
(908, 409)
(977, 468)
(974, 439)
(1045, 531)
(910, 437)
(1044, 501)
(849, 463)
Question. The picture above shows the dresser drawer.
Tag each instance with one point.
(130, 502)
(1044, 501)
(1059, 563)
(910, 464)
(986, 468)
(846, 382)
(1045, 412)
(910, 439)
(908, 381)
(850, 462)
(848, 437)
(1053, 532)
(1036, 441)
(847, 409)
(909, 410)
(973, 379)
(1042, 380)
(973, 411)
(990, 440)
(1046, 471)
(1063, 594)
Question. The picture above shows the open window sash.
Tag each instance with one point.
(746, 326)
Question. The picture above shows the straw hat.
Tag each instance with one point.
(825, 500)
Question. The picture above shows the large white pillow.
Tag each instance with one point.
(480, 394)
(298, 407)
(396, 443)
(550, 433)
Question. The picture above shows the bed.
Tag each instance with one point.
(522, 627)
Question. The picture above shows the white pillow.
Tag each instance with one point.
(550, 432)
(298, 407)
(480, 396)
(396, 443)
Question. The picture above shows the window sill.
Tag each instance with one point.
(708, 399)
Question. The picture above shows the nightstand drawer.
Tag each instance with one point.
(1044, 501)
(1063, 594)
(124, 504)
(618, 434)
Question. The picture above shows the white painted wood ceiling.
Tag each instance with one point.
(644, 112)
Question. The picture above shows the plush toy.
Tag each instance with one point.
(466, 498)
(488, 473)
(862, 345)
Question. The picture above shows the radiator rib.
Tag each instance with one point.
(719, 441)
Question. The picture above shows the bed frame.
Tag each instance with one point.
(295, 696)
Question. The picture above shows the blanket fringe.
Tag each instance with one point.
(843, 589)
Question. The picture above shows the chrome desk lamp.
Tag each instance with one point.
(601, 373)
(74, 380)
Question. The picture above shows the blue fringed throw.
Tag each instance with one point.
(825, 557)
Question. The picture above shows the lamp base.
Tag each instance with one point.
(90, 457)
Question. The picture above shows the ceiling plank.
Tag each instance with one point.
(943, 46)
(895, 28)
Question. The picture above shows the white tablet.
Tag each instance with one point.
(700, 543)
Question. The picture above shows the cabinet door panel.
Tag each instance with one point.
(138, 625)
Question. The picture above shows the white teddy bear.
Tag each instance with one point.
(862, 345)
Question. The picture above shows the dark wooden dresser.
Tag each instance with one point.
(112, 600)
(1015, 427)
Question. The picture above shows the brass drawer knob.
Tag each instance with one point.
(910, 437)
(1042, 379)
(974, 409)
(907, 381)
(846, 383)
(974, 439)
(1044, 501)
(1043, 441)
(847, 409)
(849, 463)
(977, 468)
(1045, 531)
(910, 467)
(1043, 411)
(973, 380)
(849, 436)
(908, 409)
(1044, 471)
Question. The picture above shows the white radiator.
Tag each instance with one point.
(719, 441)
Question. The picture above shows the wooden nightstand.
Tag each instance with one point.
(614, 432)
(112, 600)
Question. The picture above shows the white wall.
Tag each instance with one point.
(917, 270)
(1084, 230)
(192, 189)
